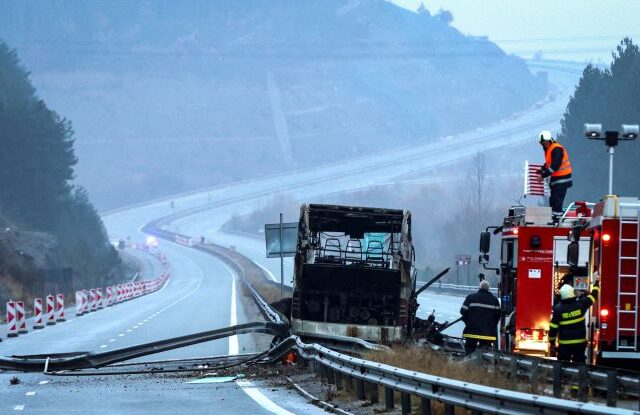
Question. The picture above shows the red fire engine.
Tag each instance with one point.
(537, 257)
(613, 253)
(533, 266)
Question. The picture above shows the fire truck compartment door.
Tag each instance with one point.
(560, 245)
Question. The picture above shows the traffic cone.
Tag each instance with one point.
(50, 313)
(12, 321)
(22, 323)
(85, 301)
(37, 313)
(108, 296)
(60, 308)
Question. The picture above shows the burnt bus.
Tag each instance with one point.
(353, 273)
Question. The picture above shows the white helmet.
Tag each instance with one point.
(566, 292)
(545, 136)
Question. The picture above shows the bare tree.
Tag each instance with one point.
(476, 186)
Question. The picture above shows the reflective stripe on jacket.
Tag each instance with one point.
(560, 168)
(481, 314)
(568, 321)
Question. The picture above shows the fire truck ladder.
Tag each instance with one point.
(626, 330)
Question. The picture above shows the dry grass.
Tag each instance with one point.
(425, 360)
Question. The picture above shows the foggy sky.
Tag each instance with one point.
(582, 30)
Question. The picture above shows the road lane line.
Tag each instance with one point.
(102, 346)
(261, 399)
(18, 408)
(30, 394)
(43, 382)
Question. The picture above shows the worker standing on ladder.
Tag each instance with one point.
(568, 324)
(558, 166)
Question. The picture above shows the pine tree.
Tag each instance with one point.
(611, 97)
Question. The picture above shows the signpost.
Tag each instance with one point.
(281, 239)
(462, 260)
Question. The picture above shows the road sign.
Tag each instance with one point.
(272, 239)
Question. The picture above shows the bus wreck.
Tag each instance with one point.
(353, 274)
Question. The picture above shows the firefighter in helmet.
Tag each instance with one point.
(480, 314)
(558, 166)
(568, 324)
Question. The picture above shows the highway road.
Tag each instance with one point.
(202, 292)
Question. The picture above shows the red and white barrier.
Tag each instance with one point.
(99, 303)
(38, 314)
(85, 301)
(50, 310)
(22, 322)
(12, 321)
(79, 304)
(60, 307)
(93, 304)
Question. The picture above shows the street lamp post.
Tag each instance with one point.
(611, 138)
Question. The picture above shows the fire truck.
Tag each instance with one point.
(533, 266)
(537, 256)
(613, 253)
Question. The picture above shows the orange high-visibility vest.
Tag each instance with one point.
(565, 167)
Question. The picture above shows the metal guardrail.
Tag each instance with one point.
(609, 382)
(337, 368)
(457, 287)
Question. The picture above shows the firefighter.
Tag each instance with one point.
(480, 314)
(568, 324)
(558, 166)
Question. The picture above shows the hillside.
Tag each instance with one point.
(49, 230)
(168, 96)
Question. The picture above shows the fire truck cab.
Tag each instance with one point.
(533, 266)
(614, 252)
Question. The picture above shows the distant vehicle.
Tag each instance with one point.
(354, 273)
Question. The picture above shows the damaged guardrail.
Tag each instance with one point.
(87, 360)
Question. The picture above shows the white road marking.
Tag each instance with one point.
(43, 382)
(102, 346)
(233, 340)
(30, 394)
(121, 335)
(128, 330)
(18, 408)
(112, 340)
(261, 399)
